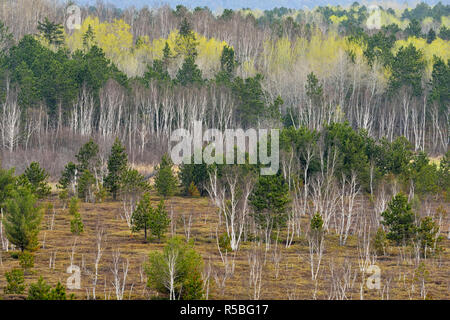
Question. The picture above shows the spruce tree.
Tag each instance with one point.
(117, 164)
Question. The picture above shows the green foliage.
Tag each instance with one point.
(444, 33)
(427, 236)
(165, 180)
(269, 200)
(39, 290)
(117, 164)
(7, 185)
(380, 242)
(26, 260)
(413, 29)
(87, 156)
(37, 177)
(52, 32)
(399, 219)
(73, 206)
(189, 74)
(423, 174)
(76, 224)
(141, 215)
(193, 191)
(431, 36)
(407, 69)
(394, 157)
(440, 84)
(42, 291)
(159, 220)
(198, 174)
(146, 217)
(67, 176)
(14, 282)
(133, 183)
(225, 242)
(251, 100)
(22, 219)
(350, 147)
(85, 185)
(188, 266)
(316, 223)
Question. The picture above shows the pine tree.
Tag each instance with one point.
(52, 32)
(14, 282)
(189, 74)
(117, 164)
(270, 199)
(141, 215)
(37, 177)
(431, 36)
(85, 185)
(87, 156)
(159, 220)
(76, 224)
(22, 220)
(399, 219)
(165, 180)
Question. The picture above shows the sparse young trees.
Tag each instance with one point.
(37, 177)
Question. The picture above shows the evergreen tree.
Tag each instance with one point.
(159, 220)
(431, 36)
(270, 199)
(85, 185)
(52, 32)
(407, 69)
(189, 74)
(141, 215)
(399, 219)
(165, 180)
(413, 29)
(117, 164)
(87, 156)
(76, 224)
(22, 220)
(37, 177)
(68, 176)
(14, 282)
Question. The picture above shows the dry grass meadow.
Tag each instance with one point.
(286, 273)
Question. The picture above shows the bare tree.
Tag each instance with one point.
(119, 281)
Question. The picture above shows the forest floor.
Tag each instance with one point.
(286, 273)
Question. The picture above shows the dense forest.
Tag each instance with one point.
(360, 95)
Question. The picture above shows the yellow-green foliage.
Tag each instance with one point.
(445, 21)
(387, 19)
(438, 47)
(257, 13)
(208, 50)
(116, 41)
(321, 53)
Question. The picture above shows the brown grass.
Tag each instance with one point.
(294, 273)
